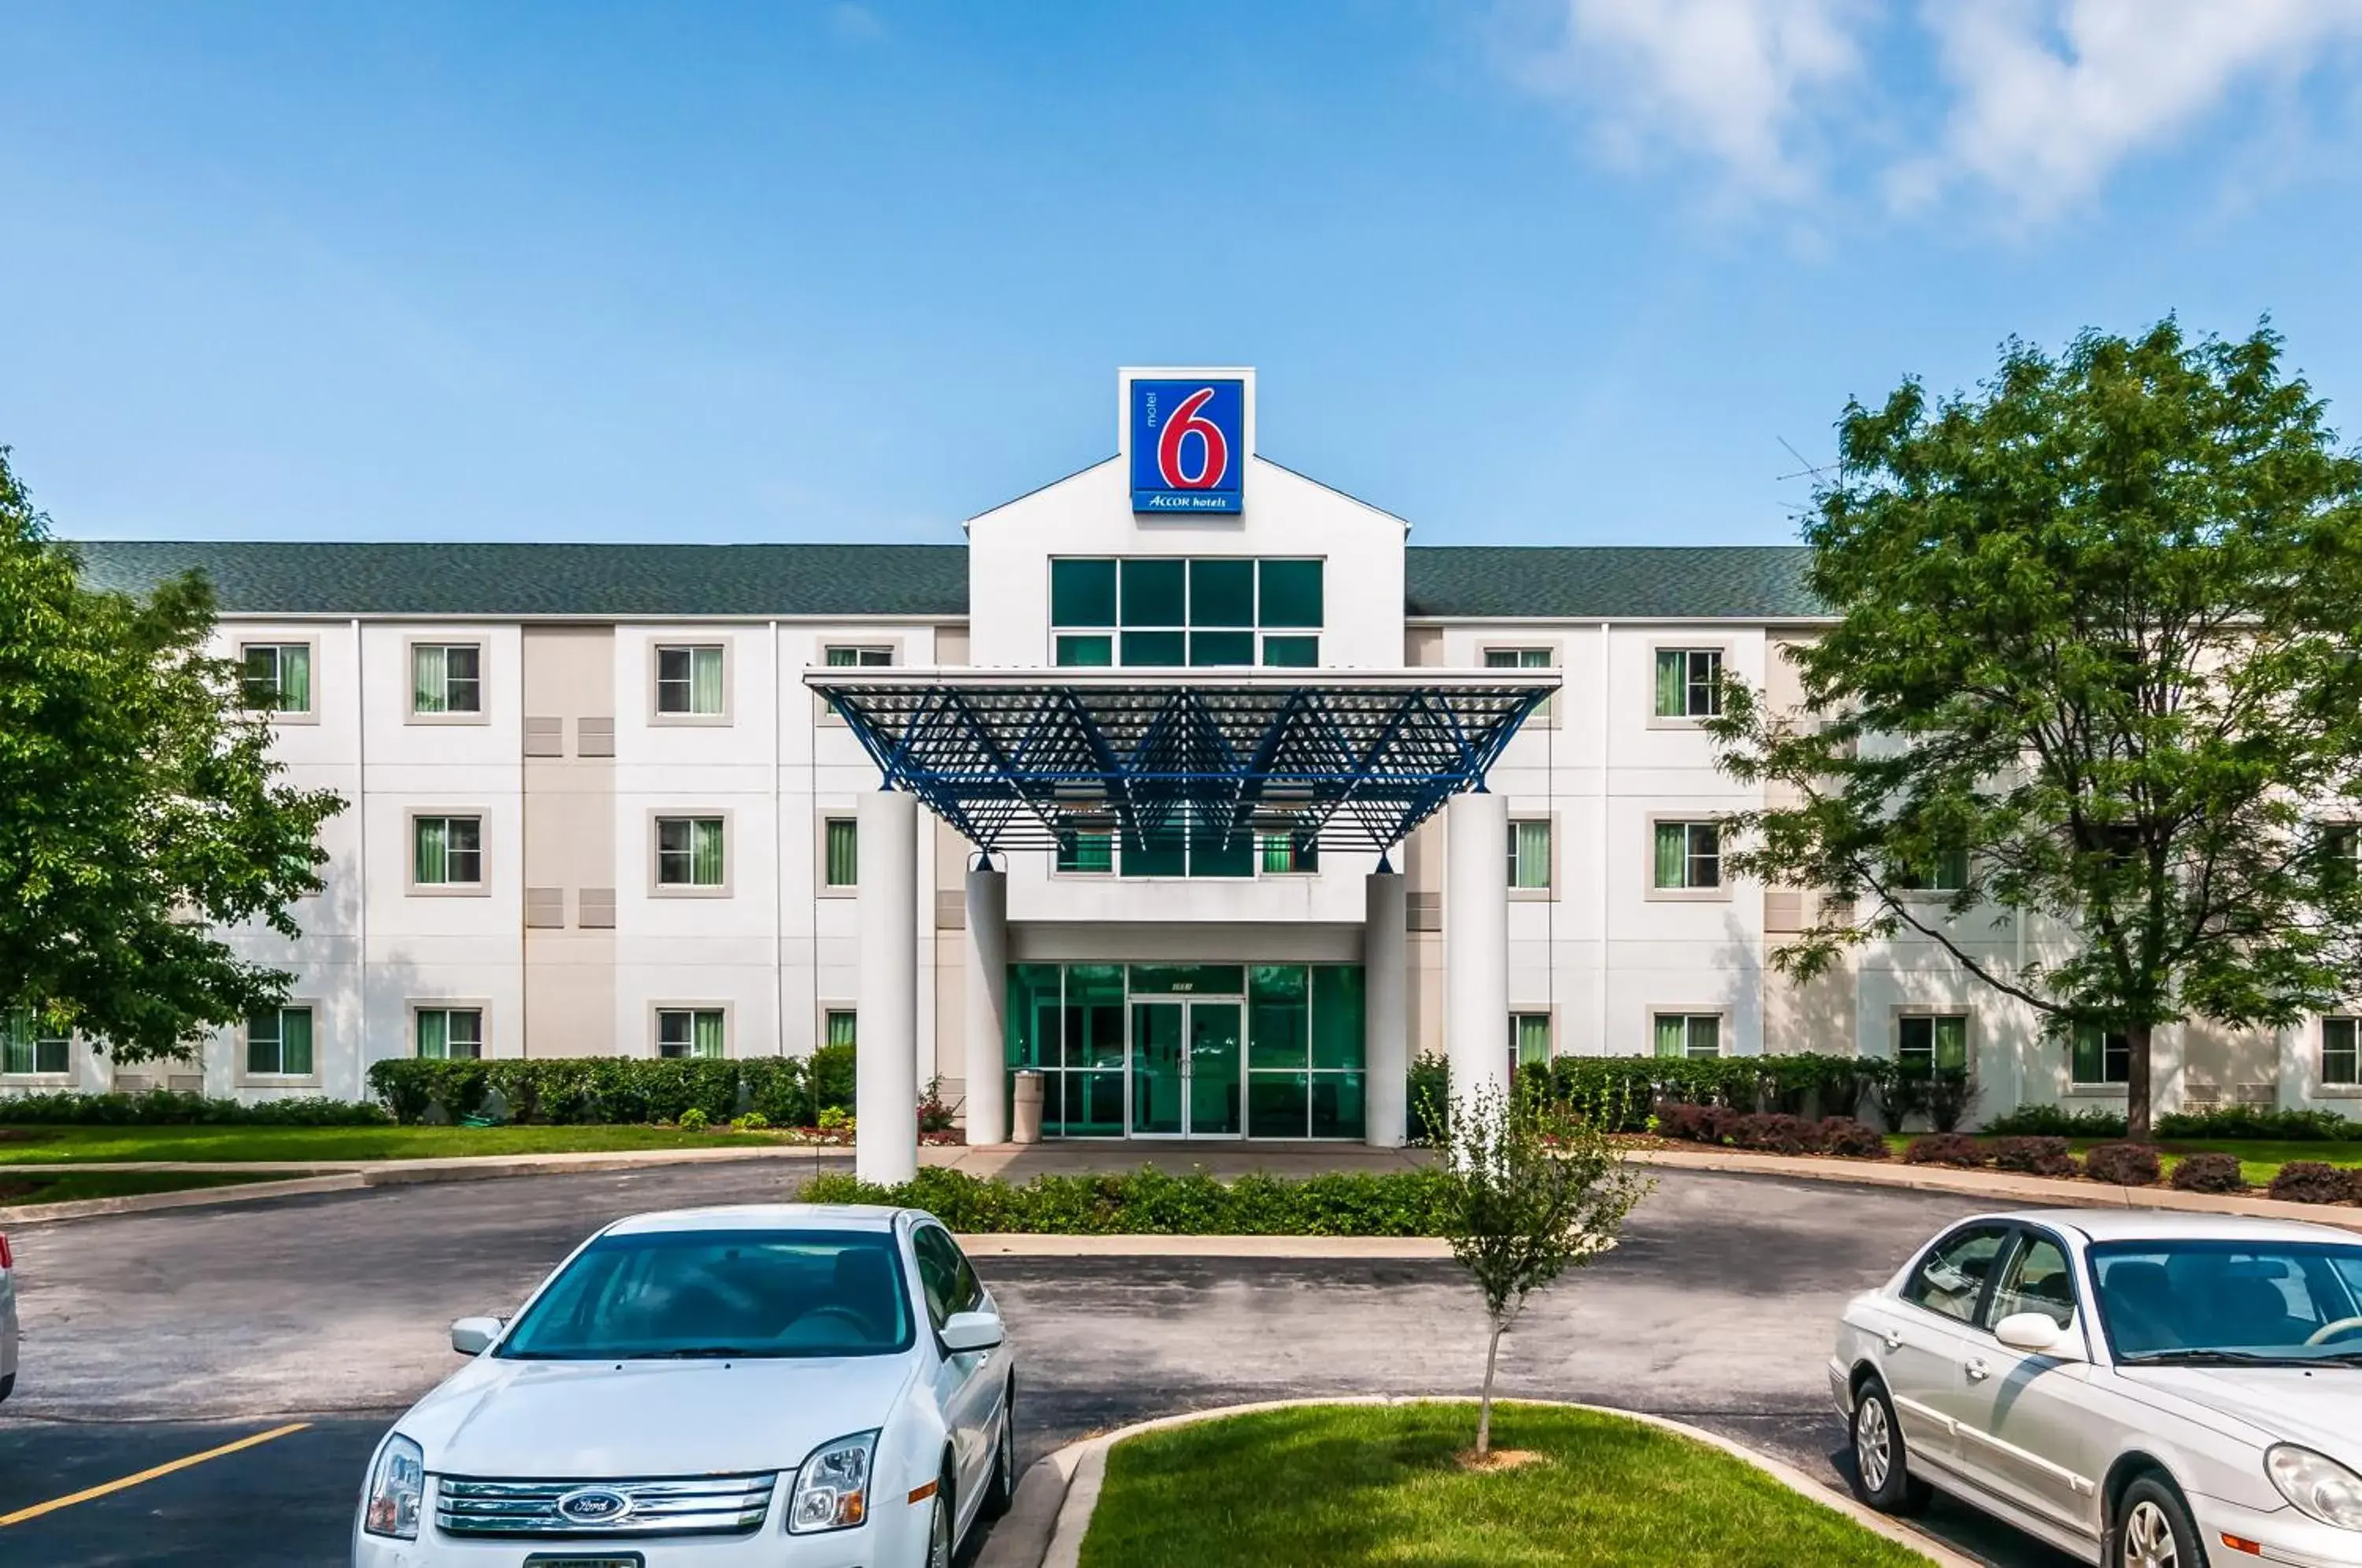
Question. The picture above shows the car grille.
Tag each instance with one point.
(682, 1505)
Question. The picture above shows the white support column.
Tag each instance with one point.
(1385, 1011)
(985, 965)
(1476, 941)
(886, 1143)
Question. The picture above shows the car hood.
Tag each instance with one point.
(2320, 1409)
(611, 1420)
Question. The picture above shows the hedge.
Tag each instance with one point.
(1150, 1202)
(787, 1092)
(1621, 1094)
(163, 1107)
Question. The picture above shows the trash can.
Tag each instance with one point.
(1025, 1109)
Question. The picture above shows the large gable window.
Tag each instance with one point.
(1170, 612)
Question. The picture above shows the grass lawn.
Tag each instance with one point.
(65, 1145)
(2259, 1158)
(1344, 1486)
(64, 1187)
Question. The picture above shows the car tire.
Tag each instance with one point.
(1002, 1490)
(2153, 1528)
(943, 1527)
(7, 1386)
(1882, 1468)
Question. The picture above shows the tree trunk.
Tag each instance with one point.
(2136, 1081)
(1485, 1406)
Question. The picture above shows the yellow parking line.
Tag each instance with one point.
(54, 1503)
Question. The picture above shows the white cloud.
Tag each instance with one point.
(2051, 98)
(1725, 80)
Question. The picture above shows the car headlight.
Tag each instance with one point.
(833, 1486)
(397, 1489)
(2319, 1486)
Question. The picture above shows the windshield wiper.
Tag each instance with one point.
(2219, 1358)
(692, 1353)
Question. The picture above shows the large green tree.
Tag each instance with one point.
(2094, 661)
(139, 807)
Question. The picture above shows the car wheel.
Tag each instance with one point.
(2154, 1530)
(1882, 1471)
(1002, 1489)
(942, 1532)
(7, 1386)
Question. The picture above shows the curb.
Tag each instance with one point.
(1033, 1244)
(2048, 1191)
(15, 1215)
(1083, 1466)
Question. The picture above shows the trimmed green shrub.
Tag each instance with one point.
(1945, 1149)
(2316, 1181)
(694, 1120)
(2057, 1121)
(2123, 1165)
(784, 1090)
(2258, 1121)
(2034, 1156)
(163, 1107)
(1151, 1202)
(2209, 1173)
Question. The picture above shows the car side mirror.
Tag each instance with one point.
(2034, 1334)
(966, 1332)
(472, 1336)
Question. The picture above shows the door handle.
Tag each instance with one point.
(1976, 1369)
(1894, 1339)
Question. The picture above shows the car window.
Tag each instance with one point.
(1951, 1278)
(2036, 1279)
(2166, 1298)
(945, 1277)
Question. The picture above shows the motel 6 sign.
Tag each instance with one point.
(1188, 445)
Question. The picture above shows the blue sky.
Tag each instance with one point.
(1525, 271)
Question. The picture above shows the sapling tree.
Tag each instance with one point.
(1533, 1194)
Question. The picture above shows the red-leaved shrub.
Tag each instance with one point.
(2209, 1173)
(1775, 1132)
(1691, 1123)
(2316, 1181)
(2034, 1156)
(1945, 1149)
(1854, 1140)
(2123, 1165)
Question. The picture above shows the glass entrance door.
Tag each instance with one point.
(1186, 1076)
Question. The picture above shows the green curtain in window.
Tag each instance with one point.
(1533, 1038)
(705, 680)
(1532, 852)
(1672, 855)
(16, 1043)
(428, 686)
(295, 1040)
(1090, 850)
(705, 852)
(1706, 1036)
(839, 657)
(1672, 686)
(434, 851)
(295, 679)
(842, 1028)
(1951, 1038)
(2091, 1054)
(1672, 1035)
(705, 1038)
(435, 1034)
(1279, 853)
(843, 853)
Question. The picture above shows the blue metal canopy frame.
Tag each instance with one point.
(1021, 759)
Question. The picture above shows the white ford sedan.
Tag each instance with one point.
(784, 1385)
(2139, 1389)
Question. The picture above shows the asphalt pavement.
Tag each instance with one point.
(150, 1338)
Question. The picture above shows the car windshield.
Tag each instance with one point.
(2230, 1302)
(721, 1293)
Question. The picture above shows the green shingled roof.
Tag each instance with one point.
(1579, 583)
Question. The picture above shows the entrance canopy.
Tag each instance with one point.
(1020, 758)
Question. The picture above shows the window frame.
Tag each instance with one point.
(1719, 893)
(1549, 891)
(1258, 632)
(2098, 1085)
(836, 1009)
(890, 647)
(246, 1074)
(37, 1074)
(2007, 1230)
(480, 715)
(1689, 1013)
(660, 889)
(310, 713)
(689, 1009)
(1517, 1017)
(2023, 1237)
(659, 716)
(481, 1007)
(822, 886)
(1685, 720)
(479, 889)
(1545, 715)
(1930, 1015)
(1113, 868)
(2351, 1085)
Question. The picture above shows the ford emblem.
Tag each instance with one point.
(594, 1506)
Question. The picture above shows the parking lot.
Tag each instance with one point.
(309, 1323)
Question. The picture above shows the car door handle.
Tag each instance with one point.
(1976, 1369)
(1893, 1339)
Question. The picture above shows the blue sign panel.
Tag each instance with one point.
(1188, 446)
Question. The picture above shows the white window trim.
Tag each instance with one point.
(409, 646)
(659, 718)
(2081, 1088)
(658, 889)
(416, 1005)
(1263, 876)
(1724, 1038)
(821, 887)
(820, 1021)
(76, 1051)
(310, 715)
(821, 713)
(1896, 1014)
(1685, 645)
(1114, 873)
(246, 1079)
(1539, 1010)
(1557, 859)
(729, 1012)
(1547, 717)
(1719, 894)
(418, 889)
(2322, 1087)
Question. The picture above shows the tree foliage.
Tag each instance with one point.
(2095, 645)
(139, 810)
(1533, 1193)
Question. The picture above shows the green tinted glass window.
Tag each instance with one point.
(1217, 850)
(1082, 593)
(1095, 1015)
(1157, 852)
(1337, 1015)
(1085, 651)
(1291, 593)
(1279, 1015)
(1222, 647)
(1337, 1105)
(1275, 1105)
(1221, 593)
(1291, 653)
(1086, 852)
(1034, 1015)
(1155, 593)
(1165, 648)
